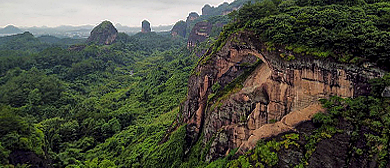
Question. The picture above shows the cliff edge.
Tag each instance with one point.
(248, 91)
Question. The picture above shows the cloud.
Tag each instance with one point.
(81, 12)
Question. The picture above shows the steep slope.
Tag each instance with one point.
(145, 27)
(179, 29)
(234, 101)
(199, 33)
(268, 69)
(104, 33)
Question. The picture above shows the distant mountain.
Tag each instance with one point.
(26, 43)
(60, 41)
(76, 32)
(10, 29)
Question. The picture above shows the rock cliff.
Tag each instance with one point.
(104, 33)
(145, 27)
(247, 91)
(207, 10)
(199, 33)
(192, 16)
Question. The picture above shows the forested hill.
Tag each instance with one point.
(124, 104)
(62, 107)
(349, 31)
(25, 44)
(266, 93)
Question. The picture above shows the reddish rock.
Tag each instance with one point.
(105, 33)
(146, 27)
(275, 97)
(199, 33)
(192, 16)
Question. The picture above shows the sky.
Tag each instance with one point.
(52, 13)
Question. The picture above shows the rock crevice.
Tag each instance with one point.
(276, 96)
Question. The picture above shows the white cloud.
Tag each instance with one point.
(81, 12)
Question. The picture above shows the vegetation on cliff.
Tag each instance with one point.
(354, 132)
(117, 105)
(349, 31)
(104, 33)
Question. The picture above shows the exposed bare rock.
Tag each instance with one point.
(386, 92)
(104, 33)
(192, 16)
(199, 33)
(145, 27)
(274, 98)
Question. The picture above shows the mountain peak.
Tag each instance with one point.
(146, 27)
(104, 33)
(10, 29)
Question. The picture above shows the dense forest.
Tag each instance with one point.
(61, 107)
(112, 105)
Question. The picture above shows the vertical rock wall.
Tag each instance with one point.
(275, 97)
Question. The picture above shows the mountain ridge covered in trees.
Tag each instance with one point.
(112, 105)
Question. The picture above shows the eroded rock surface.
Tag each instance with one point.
(274, 98)
(386, 92)
(105, 33)
(145, 27)
(199, 33)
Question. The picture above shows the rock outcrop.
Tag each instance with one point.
(145, 27)
(259, 100)
(207, 10)
(192, 16)
(179, 29)
(386, 92)
(105, 33)
(199, 33)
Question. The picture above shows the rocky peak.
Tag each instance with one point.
(104, 33)
(246, 92)
(199, 33)
(192, 16)
(145, 27)
(179, 29)
(207, 9)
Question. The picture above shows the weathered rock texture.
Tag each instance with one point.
(145, 27)
(104, 33)
(274, 98)
(199, 33)
(386, 92)
(192, 16)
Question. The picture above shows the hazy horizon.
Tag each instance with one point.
(45, 13)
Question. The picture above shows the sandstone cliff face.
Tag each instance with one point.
(199, 33)
(145, 27)
(192, 16)
(104, 33)
(274, 97)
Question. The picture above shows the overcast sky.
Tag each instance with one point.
(53, 13)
